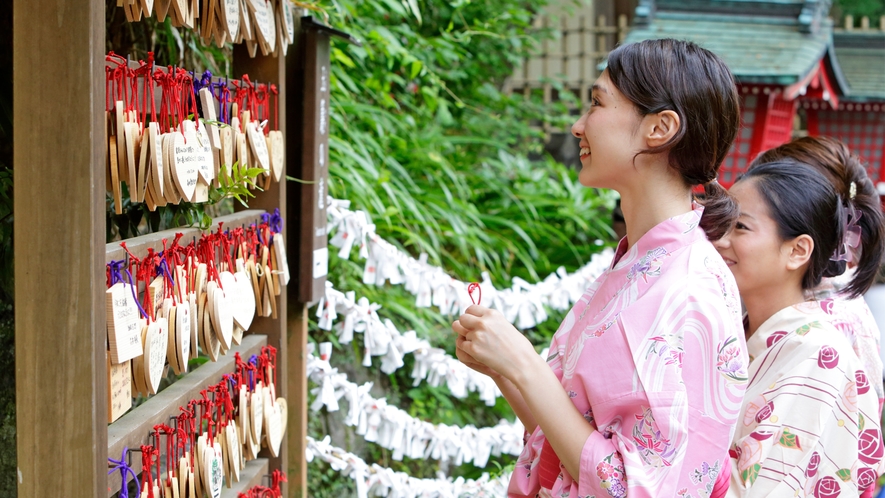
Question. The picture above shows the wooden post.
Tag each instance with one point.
(309, 74)
(269, 69)
(60, 334)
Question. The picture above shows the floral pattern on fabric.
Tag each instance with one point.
(640, 351)
(810, 425)
(612, 476)
(854, 319)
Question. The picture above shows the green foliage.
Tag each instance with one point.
(423, 138)
(873, 9)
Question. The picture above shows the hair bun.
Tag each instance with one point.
(834, 269)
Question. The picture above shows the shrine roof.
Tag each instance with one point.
(861, 56)
(757, 48)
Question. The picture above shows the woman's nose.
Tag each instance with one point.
(723, 243)
(578, 127)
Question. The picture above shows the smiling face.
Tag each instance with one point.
(610, 136)
(758, 257)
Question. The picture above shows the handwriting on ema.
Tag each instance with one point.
(124, 333)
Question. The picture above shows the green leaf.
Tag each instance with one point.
(844, 474)
(749, 475)
(789, 440)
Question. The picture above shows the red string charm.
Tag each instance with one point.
(475, 287)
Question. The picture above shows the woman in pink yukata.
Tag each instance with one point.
(810, 423)
(643, 384)
(841, 296)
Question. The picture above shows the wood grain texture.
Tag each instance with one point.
(132, 429)
(61, 399)
(252, 475)
(273, 70)
(296, 439)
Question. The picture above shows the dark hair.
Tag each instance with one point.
(802, 201)
(676, 75)
(833, 159)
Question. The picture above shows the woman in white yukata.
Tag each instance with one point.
(842, 295)
(642, 388)
(810, 422)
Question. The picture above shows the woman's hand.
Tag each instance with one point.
(470, 361)
(487, 339)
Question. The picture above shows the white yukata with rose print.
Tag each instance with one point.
(653, 354)
(811, 421)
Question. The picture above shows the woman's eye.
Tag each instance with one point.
(740, 226)
(594, 102)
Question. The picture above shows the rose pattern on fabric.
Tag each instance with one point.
(863, 384)
(813, 464)
(749, 457)
(827, 487)
(765, 412)
(827, 358)
(866, 477)
(827, 306)
(775, 337)
(751, 408)
(849, 396)
(654, 449)
(869, 446)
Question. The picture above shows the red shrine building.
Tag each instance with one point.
(796, 72)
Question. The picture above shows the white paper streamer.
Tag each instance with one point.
(404, 435)
(523, 303)
(374, 480)
(381, 338)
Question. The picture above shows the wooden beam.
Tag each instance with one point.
(138, 246)
(61, 400)
(251, 476)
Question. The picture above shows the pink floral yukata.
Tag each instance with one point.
(811, 420)
(653, 354)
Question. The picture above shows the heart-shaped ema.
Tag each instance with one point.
(222, 308)
(155, 351)
(188, 155)
(290, 21)
(230, 9)
(256, 405)
(214, 473)
(205, 155)
(264, 18)
(233, 451)
(244, 308)
(275, 414)
(183, 324)
(277, 154)
(259, 144)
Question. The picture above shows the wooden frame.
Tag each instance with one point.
(63, 438)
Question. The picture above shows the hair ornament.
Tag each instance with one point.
(852, 190)
(851, 240)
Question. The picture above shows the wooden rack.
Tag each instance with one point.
(63, 439)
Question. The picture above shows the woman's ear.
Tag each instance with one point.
(662, 127)
(799, 251)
